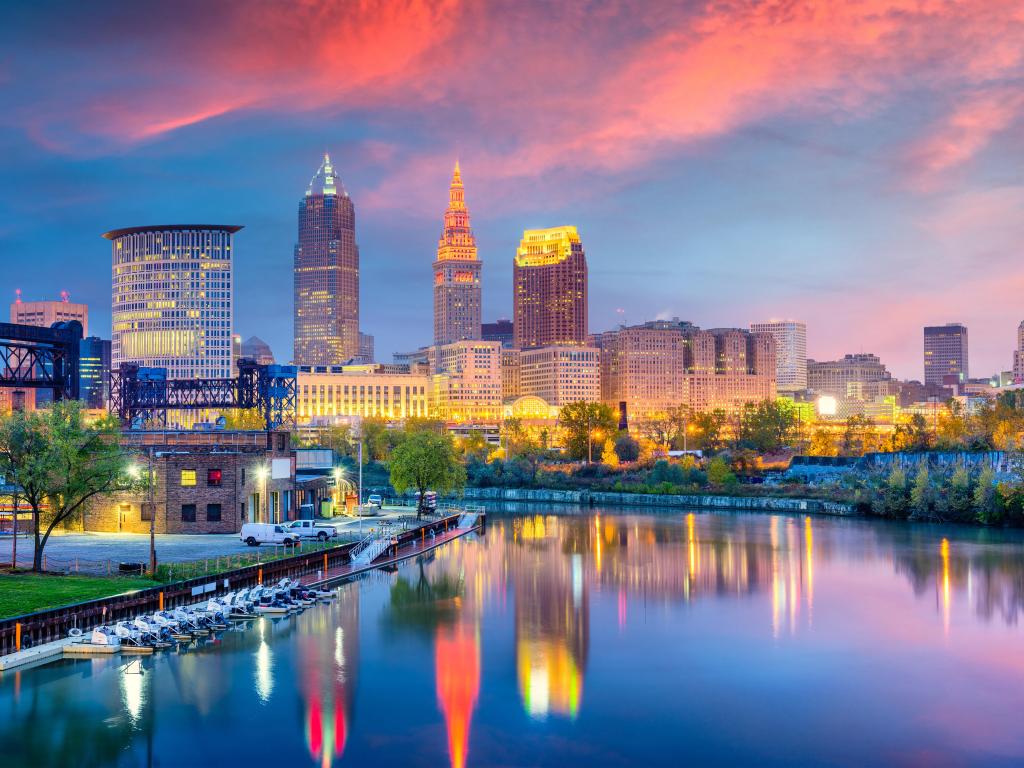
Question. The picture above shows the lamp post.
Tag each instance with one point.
(150, 482)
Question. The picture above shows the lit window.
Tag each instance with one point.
(213, 477)
(188, 477)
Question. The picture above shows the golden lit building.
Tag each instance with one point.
(456, 272)
(550, 289)
(509, 373)
(465, 382)
(172, 298)
(331, 393)
(45, 313)
(561, 375)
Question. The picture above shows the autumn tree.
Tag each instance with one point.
(582, 422)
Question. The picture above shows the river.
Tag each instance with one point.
(600, 639)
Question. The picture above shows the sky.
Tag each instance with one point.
(856, 165)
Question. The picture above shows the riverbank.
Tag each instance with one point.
(585, 498)
(23, 593)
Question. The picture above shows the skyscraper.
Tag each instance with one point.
(94, 371)
(456, 272)
(326, 273)
(46, 313)
(172, 298)
(945, 353)
(549, 286)
(790, 352)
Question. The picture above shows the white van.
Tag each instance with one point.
(255, 534)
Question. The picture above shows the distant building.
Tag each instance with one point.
(456, 272)
(421, 355)
(465, 384)
(326, 273)
(327, 394)
(94, 371)
(500, 330)
(663, 364)
(560, 375)
(172, 298)
(258, 350)
(550, 289)
(1018, 356)
(790, 352)
(852, 376)
(45, 313)
(945, 354)
(510, 384)
(366, 351)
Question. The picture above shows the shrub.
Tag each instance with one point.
(720, 474)
(626, 448)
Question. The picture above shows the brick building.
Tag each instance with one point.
(206, 482)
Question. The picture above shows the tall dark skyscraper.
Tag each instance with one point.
(945, 353)
(326, 273)
(94, 371)
(456, 272)
(549, 289)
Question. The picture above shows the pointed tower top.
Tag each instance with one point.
(325, 181)
(457, 175)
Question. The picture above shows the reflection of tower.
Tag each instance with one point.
(552, 619)
(328, 672)
(457, 665)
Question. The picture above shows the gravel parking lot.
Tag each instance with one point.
(92, 552)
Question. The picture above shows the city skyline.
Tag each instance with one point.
(790, 188)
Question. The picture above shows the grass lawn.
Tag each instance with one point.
(27, 592)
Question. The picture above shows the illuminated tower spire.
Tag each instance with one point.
(456, 272)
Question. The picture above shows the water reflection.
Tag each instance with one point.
(575, 635)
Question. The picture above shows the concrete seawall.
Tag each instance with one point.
(610, 498)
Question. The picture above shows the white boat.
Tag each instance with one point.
(101, 640)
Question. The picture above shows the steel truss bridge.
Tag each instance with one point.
(145, 395)
(41, 358)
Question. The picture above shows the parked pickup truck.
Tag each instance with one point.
(310, 529)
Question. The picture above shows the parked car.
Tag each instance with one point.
(375, 500)
(310, 529)
(255, 534)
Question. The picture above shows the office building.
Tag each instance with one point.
(257, 349)
(172, 298)
(1018, 356)
(549, 291)
(45, 313)
(366, 349)
(326, 310)
(560, 375)
(857, 376)
(465, 385)
(94, 371)
(790, 352)
(456, 272)
(945, 354)
(329, 394)
(500, 330)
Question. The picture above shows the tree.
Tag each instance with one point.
(707, 430)
(665, 429)
(959, 499)
(859, 436)
(985, 498)
(921, 493)
(515, 438)
(895, 497)
(626, 448)
(822, 443)
(768, 426)
(719, 472)
(60, 463)
(608, 454)
(377, 441)
(475, 444)
(426, 461)
(582, 422)
(244, 419)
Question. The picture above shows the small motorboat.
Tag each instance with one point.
(102, 640)
(131, 639)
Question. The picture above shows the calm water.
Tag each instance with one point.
(587, 640)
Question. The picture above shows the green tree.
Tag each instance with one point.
(921, 497)
(986, 505)
(859, 436)
(377, 439)
(894, 500)
(475, 445)
(708, 428)
(244, 419)
(626, 448)
(583, 422)
(60, 463)
(768, 426)
(426, 461)
(959, 498)
(719, 473)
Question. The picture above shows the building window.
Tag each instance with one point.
(188, 477)
(188, 513)
(213, 513)
(146, 512)
(213, 477)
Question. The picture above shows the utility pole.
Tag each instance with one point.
(152, 515)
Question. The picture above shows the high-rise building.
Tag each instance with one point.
(326, 273)
(500, 330)
(366, 348)
(456, 272)
(465, 383)
(550, 289)
(790, 352)
(945, 354)
(46, 313)
(257, 349)
(1018, 356)
(172, 298)
(94, 371)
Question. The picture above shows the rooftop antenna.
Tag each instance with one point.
(17, 295)
(64, 296)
